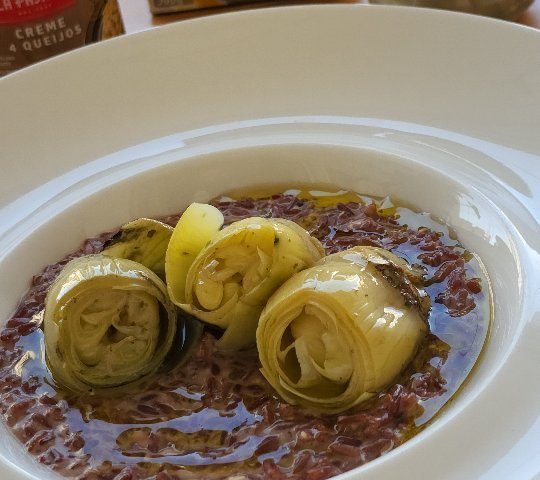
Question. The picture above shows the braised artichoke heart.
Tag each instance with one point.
(341, 331)
(107, 322)
(227, 282)
(144, 241)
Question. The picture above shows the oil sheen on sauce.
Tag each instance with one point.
(214, 416)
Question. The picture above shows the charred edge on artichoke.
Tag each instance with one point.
(414, 297)
(121, 236)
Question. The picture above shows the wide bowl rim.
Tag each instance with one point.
(155, 34)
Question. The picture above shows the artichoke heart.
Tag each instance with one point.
(341, 331)
(144, 241)
(232, 276)
(107, 322)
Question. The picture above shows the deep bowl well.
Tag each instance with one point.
(459, 193)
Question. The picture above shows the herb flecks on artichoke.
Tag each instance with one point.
(341, 331)
(107, 322)
(144, 241)
(227, 282)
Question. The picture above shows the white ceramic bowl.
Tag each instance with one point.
(409, 103)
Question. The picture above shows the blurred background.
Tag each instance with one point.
(33, 31)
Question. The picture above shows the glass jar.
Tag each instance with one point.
(33, 30)
(506, 9)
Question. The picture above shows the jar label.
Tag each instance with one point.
(33, 30)
(17, 11)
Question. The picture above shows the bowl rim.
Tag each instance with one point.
(155, 35)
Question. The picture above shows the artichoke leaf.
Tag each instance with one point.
(195, 229)
(341, 331)
(144, 241)
(107, 322)
(230, 279)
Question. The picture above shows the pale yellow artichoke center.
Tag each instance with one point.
(315, 356)
(231, 272)
(113, 331)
